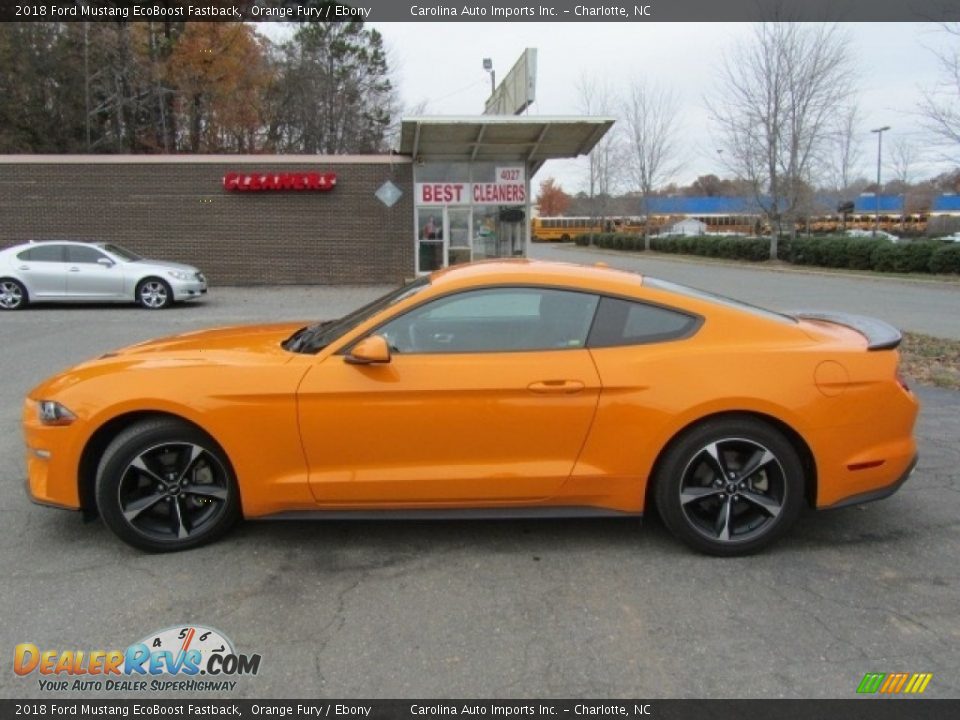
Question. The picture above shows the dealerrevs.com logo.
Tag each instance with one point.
(182, 658)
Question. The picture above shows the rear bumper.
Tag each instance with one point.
(877, 494)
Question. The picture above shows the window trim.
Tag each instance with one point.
(699, 319)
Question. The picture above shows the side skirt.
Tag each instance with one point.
(492, 513)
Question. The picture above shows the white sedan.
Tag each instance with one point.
(67, 271)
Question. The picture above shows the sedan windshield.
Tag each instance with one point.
(121, 252)
(314, 338)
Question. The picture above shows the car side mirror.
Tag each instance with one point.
(106, 262)
(369, 351)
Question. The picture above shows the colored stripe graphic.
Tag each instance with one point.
(871, 682)
(894, 683)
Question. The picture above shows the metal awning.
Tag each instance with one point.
(508, 138)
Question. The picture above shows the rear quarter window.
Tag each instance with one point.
(626, 322)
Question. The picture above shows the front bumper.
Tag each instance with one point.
(52, 454)
(188, 289)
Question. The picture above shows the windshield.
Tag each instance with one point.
(121, 252)
(314, 338)
(716, 299)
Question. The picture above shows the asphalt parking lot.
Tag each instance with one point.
(598, 608)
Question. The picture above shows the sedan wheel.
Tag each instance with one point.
(163, 485)
(730, 487)
(13, 295)
(154, 294)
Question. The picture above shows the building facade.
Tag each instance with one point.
(457, 190)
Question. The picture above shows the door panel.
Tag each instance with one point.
(44, 279)
(429, 429)
(88, 280)
(44, 270)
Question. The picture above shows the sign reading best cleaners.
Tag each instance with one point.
(509, 189)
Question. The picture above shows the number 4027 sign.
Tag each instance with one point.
(509, 175)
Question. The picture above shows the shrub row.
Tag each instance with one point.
(873, 254)
(612, 241)
(856, 253)
(733, 248)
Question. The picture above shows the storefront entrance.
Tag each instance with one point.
(472, 178)
(469, 211)
(453, 235)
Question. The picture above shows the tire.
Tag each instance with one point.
(730, 486)
(13, 295)
(163, 485)
(154, 294)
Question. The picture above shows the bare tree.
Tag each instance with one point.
(940, 105)
(777, 97)
(651, 138)
(846, 151)
(604, 164)
(904, 156)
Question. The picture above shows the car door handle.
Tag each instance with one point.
(74, 269)
(24, 267)
(559, 387)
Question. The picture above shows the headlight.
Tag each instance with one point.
(179, 274)
(53, 413)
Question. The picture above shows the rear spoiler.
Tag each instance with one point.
(879, 335)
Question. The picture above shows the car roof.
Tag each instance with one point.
(537, 272)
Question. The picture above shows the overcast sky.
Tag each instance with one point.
(441, 64)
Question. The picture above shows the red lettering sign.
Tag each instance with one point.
(498, 194)
(441, 193)
(237, 182)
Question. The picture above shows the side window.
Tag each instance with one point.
(495, 320)
(622, 322)
(81, 254)
(43, 253)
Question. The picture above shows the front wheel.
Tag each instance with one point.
(163, 485)
(154, 294)
(730, 486)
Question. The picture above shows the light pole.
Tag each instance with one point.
(488, 66)
(879, 132)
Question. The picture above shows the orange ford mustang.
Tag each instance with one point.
(509, 388)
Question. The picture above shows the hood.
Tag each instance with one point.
(166, 265)
(238, 345)
(238, 338)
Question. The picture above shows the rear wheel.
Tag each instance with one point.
(13, 295)
(163, 485)
(154, 294)
(730, 486)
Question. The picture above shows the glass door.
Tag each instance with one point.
(431, 241)
(459, 249)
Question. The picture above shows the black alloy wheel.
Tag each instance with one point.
(730, 487)
(163, 485)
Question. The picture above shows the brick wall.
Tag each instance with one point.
(177, 210)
